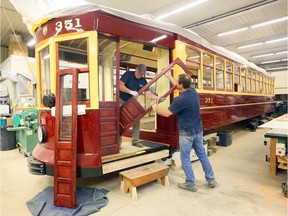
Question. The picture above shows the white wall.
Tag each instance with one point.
(281, 82)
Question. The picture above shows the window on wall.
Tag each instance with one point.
(193, 60)
(243, 80)
(107, 68)
(219, 74)
(229, 86)
(208, 71)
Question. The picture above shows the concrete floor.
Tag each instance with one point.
(245, 185)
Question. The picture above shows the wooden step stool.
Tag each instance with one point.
(130, 179)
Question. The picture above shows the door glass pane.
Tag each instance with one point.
(65, 109)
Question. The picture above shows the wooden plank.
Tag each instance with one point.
(273, 156)
(141, 159)
(126, 151)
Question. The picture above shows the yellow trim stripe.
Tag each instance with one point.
(236, 105)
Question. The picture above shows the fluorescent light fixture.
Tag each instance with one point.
(250, 45)
(31, 43)
(232, 31)
(159, 38)
(270, 22)
(267, 62)
(283, 52)
(278, 68)
(181, 9)
(276, 40)
(269, 54)
(264, 55)
(253, 26)
(284, 60)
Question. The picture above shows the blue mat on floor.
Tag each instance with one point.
(88, 201)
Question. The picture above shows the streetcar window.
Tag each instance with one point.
(248, 81)
(219, 73)
(243, 80)
(208, 70)
(107, 69)
(236, 78)
(253, 82)
(45, 72)
(193, 61)
(229, 76)
(73, 54)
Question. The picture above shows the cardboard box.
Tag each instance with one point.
(15, 48)
(9, 122)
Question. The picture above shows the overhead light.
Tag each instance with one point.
(283, 52)
(266, 42)
(181, 9)
(284, 60)
(31, 43)
(273, 61)
(158, 38)
(276, 40)
(253, 26)
(264, 55)
(232, 31)
(270, 22)
(250, 45)
(269, 54)
(276, 68)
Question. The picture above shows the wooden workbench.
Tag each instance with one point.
(274, 135)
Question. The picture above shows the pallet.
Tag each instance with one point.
(130, 179)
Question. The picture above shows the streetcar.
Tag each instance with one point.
(80, 57)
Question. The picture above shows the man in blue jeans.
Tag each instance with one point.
(187, 108)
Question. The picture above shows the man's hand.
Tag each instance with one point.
(158, 99)
(134, 94)
(154, 107)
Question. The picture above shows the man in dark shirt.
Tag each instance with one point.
(130, 83)
(187, 108)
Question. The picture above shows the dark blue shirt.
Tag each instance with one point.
(131, 82)
(187, 108)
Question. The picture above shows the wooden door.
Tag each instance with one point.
(65, 138)
(132, 111)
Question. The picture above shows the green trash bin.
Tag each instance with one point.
(7, 139)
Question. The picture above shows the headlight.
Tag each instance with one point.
(41, 133)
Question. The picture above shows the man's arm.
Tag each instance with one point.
(162, 112)
(171, 78)
(150, 95)
(123, 88)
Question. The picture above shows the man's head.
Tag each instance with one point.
(142, 69)
(184, 80)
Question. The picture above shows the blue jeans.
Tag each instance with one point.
(187, 142)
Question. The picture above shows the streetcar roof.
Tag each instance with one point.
(79, 7)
